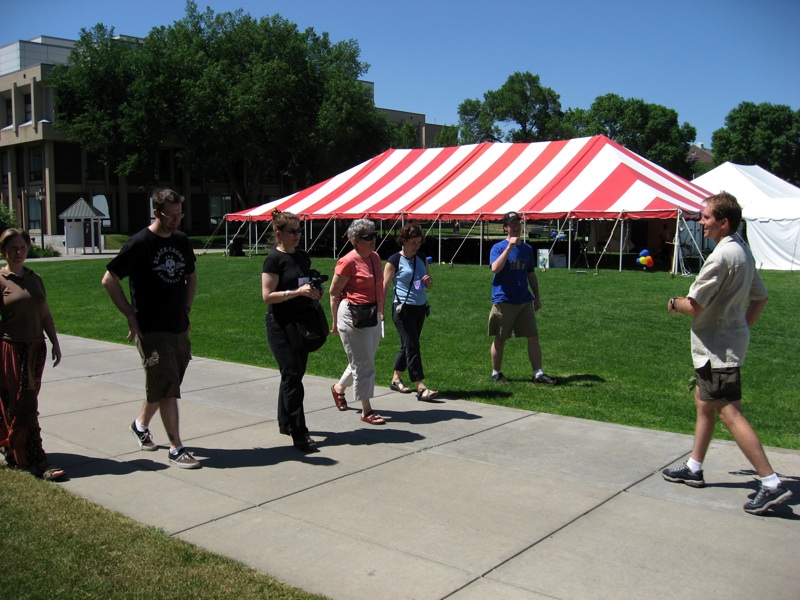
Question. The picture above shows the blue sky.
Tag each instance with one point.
(700, 58)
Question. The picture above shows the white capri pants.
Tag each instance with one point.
(361, 346)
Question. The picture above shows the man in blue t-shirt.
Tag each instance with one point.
(515, 300)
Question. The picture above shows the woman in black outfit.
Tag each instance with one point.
(286, 288)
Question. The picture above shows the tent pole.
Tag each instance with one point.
(480, 248)
(621, 240)
(676, 244)
(440, 240)
(334, 237)
(569, 246)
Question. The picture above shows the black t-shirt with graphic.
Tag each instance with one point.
(156, 268)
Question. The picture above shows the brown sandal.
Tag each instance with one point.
(338, 398)
(373, 418)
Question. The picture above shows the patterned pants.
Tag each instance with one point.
(21, 368)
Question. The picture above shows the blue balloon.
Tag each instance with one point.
(644, 252)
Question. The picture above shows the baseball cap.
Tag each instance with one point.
(511, 216)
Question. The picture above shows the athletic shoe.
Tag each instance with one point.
(144, 438)
(184, 459)
(545, 379)
(767, 498)
(684, 475)
(499, 378)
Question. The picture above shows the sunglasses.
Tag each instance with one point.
(292, 231)
(368, 236)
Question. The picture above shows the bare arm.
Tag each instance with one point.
(191, 288)
(754, 310)
(388, 276)
(338, 284)
(49, 326)
(684, 306)
(500, 261)
(533, 281)
(112, 284)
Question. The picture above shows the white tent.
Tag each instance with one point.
(770, 207)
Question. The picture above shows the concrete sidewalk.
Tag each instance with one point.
(455, 500)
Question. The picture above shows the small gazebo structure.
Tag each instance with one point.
(82, 223)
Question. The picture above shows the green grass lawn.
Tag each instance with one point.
(622, 359)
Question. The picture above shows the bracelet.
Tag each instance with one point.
(286, 295)
(672, 303)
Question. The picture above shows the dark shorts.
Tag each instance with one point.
(719, 385)
(165, 357)
(518, 319)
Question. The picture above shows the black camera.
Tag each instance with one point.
(317, 279)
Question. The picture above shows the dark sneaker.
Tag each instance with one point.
(184, 459)
(683, 475)
(767, 498)
(144, 438)
(499, 378)
(545, 379)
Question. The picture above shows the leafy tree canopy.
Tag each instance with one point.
(767, 135)
(650, 130)
(233, 94)
(522, 110)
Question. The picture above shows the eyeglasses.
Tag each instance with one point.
(368, 236)
(292, 231)
(175, 217)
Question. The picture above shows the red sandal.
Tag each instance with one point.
(373, 418)
(338, 398)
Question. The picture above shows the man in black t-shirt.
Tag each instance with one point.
(160, 266)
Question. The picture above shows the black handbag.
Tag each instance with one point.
(364, 315)
(311, 327)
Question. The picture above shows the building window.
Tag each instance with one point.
(220, 206)
(164, 164)
(95, 169)
(9, 117)
(34, 212)
(5, 167)
(35, 164)
(28, 109)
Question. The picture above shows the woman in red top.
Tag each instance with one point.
(24, 320)
(357, 287)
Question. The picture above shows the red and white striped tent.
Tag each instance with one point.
(583, 178)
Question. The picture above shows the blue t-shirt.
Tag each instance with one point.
(408, 275)
(511, 284)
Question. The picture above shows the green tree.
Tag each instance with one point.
(92, 98)
(405, 136)
(232, 94)
(522, 110)
(763, 134)
(447, 136)
(650, 130)
(530, 111)
(476, 124)
(7, 218)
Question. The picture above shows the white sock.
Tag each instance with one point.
(175, 451)
(771, 481)
(693, 465)
(139, 426)
(495, 372)
(538, 374)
